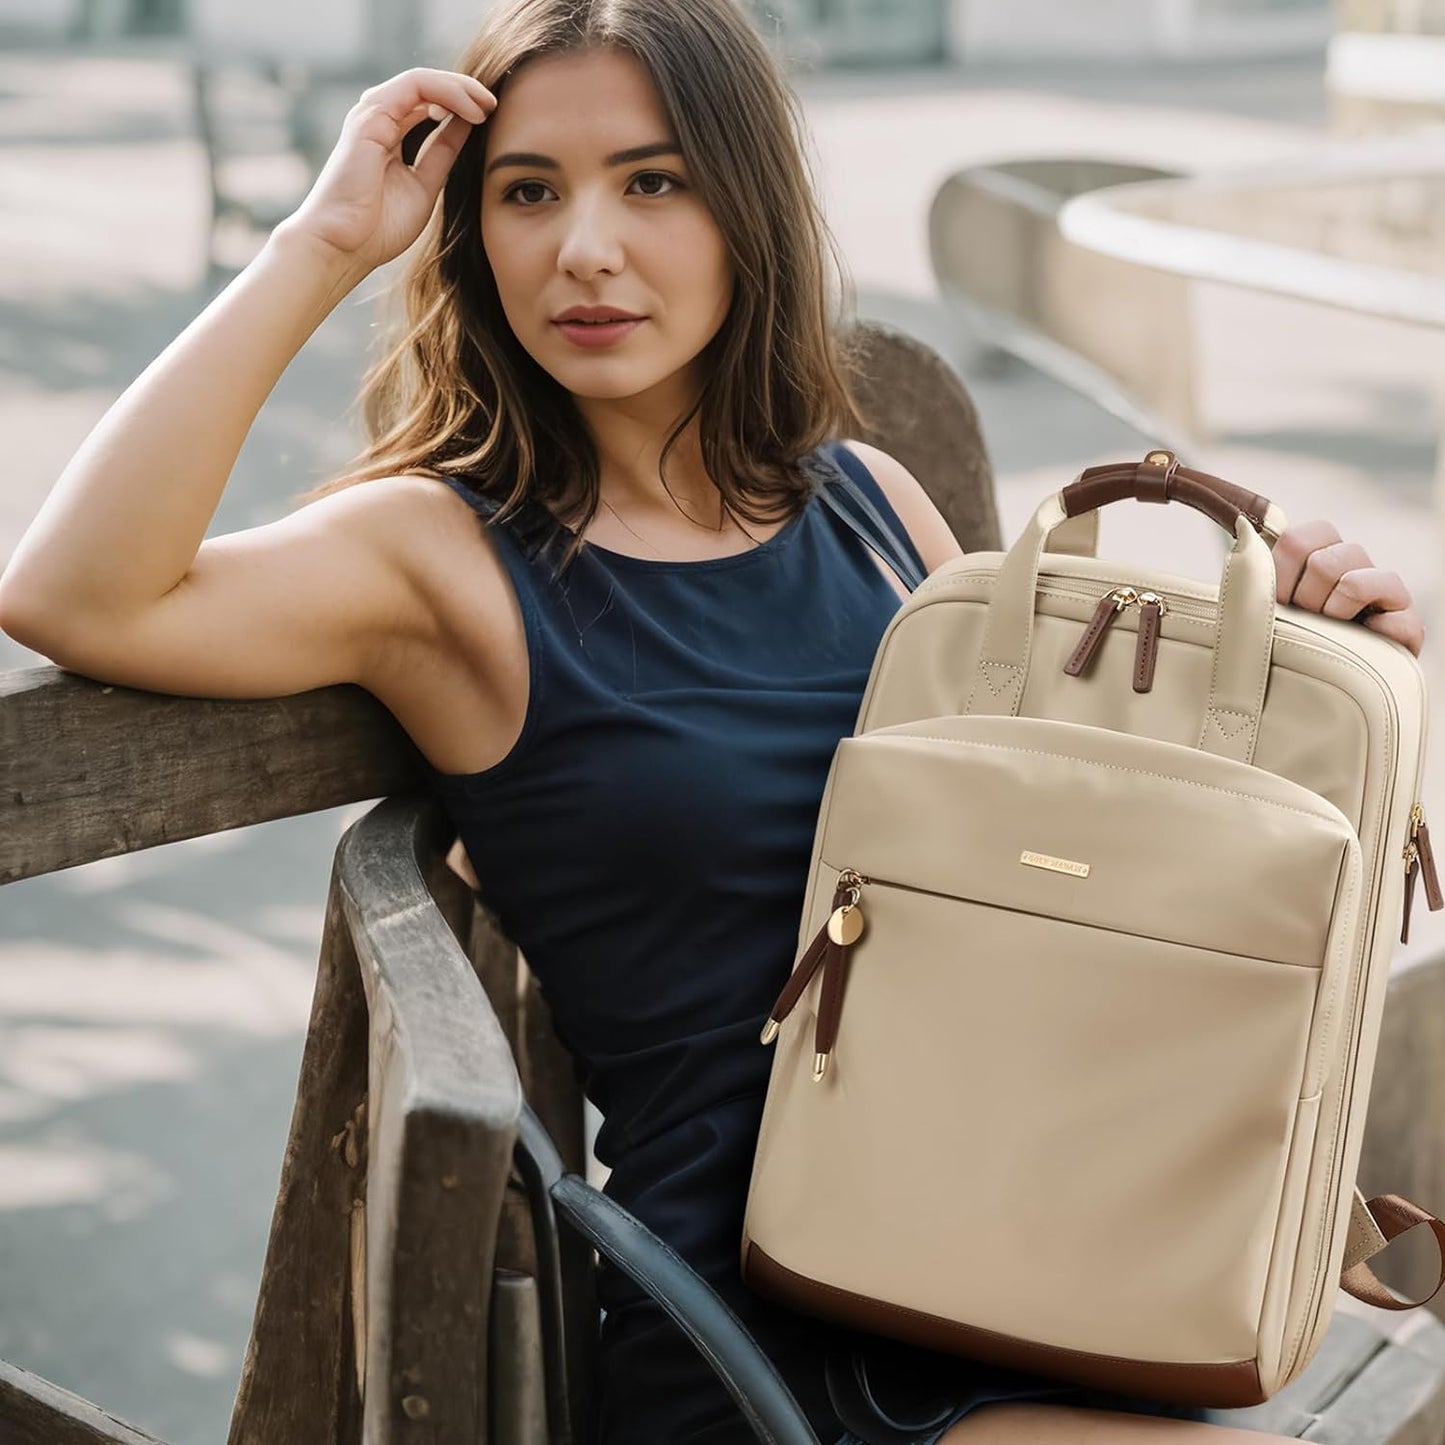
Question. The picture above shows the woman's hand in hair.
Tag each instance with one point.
(1315, 569)
(368, 204)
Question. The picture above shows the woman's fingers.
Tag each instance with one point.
(1318, 571)
(381, 181)
(1292, 551)
(438, 152)
(396, 100)
(1340, 571)
(1405, 626)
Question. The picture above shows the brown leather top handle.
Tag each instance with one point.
(1160, 478)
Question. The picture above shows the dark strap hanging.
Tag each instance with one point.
(845, 497)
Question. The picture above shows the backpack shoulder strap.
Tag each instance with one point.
(844, 495)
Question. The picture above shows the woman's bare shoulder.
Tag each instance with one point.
(926, 525)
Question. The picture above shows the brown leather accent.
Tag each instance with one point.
(1220, 1386)
(1154, 475)
(1101, 485)
(1146, 649)
(1394, 1214)
(1427, 868)
(1104, 614)
(1410, 873)
(1220, 500)
(807, 965)
(830, 1000)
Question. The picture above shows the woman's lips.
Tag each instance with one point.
(597, 333)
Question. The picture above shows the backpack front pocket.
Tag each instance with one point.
(1096, 974)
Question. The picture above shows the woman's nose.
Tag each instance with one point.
(591, 239)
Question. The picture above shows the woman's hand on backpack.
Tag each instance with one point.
(367, 205)
(1315, 569)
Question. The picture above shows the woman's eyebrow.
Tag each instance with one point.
(617, 158)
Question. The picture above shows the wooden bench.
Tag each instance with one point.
(429, 1269)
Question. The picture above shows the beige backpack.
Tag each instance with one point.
(1072, 1069)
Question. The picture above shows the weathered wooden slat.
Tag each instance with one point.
(298, 1378)
(35, 1412)
(518, 1406)
(88, 770)
(920, 412)
(443, 1102)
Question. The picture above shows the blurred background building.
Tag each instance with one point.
(874, 32)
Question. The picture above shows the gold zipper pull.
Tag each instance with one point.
(1152, 608)
(1419, 862)
(1109, 608)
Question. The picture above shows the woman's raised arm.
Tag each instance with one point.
(113, 577)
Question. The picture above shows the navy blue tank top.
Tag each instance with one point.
(646, 844)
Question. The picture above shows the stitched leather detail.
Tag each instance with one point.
(1146, 648)
(1216, 498)
(1104, 614)
(1366, 1237)
(1003, 680)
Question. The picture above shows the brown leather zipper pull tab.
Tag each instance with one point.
(813, 958)
(1427, 867)
(1419, 861)
(1146, 649)
(798, 980)
(1108, 609)
(844, 928)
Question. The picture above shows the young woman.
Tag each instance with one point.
(580, 563)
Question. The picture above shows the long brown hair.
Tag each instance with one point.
(457, 395)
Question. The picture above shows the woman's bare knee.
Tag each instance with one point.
(1018, 1422)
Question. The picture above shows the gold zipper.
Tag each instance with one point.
(1419, 862)
(1152, 607)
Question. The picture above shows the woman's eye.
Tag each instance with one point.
(656, 176)
(515, 193)
(521, 186)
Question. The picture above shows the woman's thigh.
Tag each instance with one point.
(1021, 1422)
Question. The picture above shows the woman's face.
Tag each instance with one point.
(568, 220)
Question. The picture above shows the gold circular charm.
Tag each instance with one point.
(845, 925)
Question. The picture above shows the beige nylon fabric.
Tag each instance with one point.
(1136, 1095)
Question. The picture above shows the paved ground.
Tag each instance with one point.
(151, 1008)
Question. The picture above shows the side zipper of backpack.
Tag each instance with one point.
(1419, 859)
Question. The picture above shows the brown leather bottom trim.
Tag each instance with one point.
(1221, 1387)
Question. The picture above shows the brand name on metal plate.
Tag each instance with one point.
(1054, 865)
